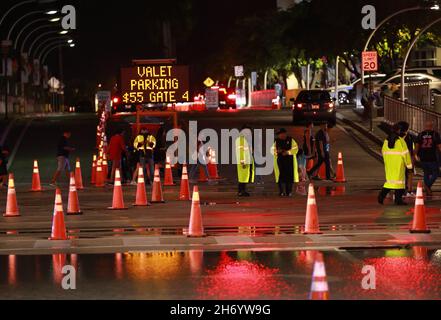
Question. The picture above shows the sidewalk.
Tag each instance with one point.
(355, 117)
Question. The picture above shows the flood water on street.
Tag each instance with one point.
(400, 274)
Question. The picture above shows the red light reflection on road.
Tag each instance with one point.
(12, 268)
(398, 278)
(196, 261)
(233, 279)
(119, 266)
(58, 262)
(306, 258)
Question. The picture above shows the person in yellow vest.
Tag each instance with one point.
(286, 169)
(150, 146)
(140, 151)
(397, 160)
(245, 161)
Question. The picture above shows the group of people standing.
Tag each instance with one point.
(290, 160)
(401, 153)
(146, 151)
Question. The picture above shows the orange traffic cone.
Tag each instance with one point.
(310, 165)
(312, 222)
(319, 287)
(105, 166)
(157, 196)
(36, 184)
(419, 220)
(73, 205)
(11, 202)
(196, 229)
(58, 225)
(322, 172)
(93, 175)
(340, 170)
(118, 199)
(168, 179)
(141, 194)
(99, 183)
(78, 175)
(212, 166)
(184, 194)
(202, 176)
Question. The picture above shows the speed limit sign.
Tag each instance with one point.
(370, 61)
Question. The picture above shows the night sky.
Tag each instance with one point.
(111, 33)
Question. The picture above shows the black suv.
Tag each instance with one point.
(314, 106)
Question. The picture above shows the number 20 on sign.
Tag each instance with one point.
(370, 61)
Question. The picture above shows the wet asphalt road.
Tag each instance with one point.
(400, 274)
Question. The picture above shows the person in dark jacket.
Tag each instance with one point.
(63, 152)
(323, 148)
(4, 153)
(404, 133)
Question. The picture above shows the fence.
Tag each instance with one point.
(418, 93)
(265, 99)
(416, 116)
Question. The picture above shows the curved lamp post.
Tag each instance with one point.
(406, 58)
(60, 45)
(51, 46)
(42, 46)
(23, 44)
(17, 38)
(21, 4)
(31, 47)
(432, 6)
(11, 30)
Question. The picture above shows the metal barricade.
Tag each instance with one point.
(418, 93)
(397, 110)
(264, 99)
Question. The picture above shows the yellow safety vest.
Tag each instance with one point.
(292, 152)
(245, 161)
(142, 144)
(396, 161)
(150, 140)
(139, 144)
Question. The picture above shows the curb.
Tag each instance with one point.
(368, 134)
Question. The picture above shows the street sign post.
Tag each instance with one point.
(144, 84)
(103, 98)
(209, 82)
(212, 98)
(239, 71)
(370, 61)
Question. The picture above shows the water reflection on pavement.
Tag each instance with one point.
(400, 274)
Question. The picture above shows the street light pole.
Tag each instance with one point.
(406, 58)
(46, 42)
(366, 47)
(51, 47)
(31, 47)
(13, 8)
(11, 30)
(23, 45)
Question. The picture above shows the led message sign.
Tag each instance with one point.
(155, 84)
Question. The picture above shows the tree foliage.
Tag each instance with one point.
(317, 31)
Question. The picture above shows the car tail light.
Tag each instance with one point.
(329, 105)
(299, 105)
(232, 97)
(115, 100)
